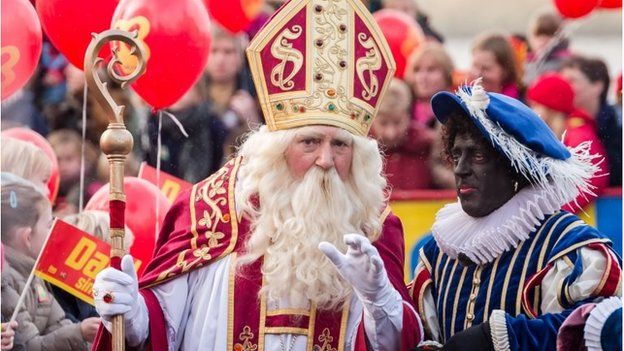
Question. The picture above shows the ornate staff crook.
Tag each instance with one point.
(116, 141)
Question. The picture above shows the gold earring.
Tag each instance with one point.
(515, 186)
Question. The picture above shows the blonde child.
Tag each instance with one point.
(26, 216)
(26, 161)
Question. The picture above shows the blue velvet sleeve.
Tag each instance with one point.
(534, 334)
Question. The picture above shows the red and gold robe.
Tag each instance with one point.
(203, 227)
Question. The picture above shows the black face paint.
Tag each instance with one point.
(484, 178)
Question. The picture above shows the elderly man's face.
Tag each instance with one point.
(482, 177)
(320, 146)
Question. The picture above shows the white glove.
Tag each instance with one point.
(123, 286)
(363, 268)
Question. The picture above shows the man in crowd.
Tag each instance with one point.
(505, 265)
(252, 257)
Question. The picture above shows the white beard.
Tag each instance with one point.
(287, 233)
(295, 215)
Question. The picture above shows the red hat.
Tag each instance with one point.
(554, 92)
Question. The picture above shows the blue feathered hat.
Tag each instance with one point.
(520, 134)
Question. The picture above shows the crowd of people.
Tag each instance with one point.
(568, 90)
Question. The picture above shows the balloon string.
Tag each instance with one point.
(158, 152)
(564, 32)
(82, 146)
(177, 122)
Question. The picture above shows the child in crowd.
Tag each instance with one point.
(7, 334)
(407, 143)
(552, 97)
(27, 161)
(67, 145)
(26, 219)
(548, 47)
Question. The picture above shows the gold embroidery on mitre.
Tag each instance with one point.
(245, 337)
(368, 63)
(321, 81)
(283, 50)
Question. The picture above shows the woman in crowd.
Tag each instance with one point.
(493, 59)
(429, 71)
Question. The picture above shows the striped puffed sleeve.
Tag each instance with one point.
(420, 290)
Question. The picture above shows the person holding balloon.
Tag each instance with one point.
(253, 257)
(193, 157)
(548, 47)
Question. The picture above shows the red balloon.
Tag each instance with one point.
(234, 15)
(403, 34)
(141, 199)
(575, 8)
(177, 41)
(610, 4)
(42, 143)
(21, 44)
(69, 24)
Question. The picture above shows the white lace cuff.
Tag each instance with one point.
(498, 329)
(596, 320)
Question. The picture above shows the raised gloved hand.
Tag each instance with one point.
(117, 292)
(362, 267)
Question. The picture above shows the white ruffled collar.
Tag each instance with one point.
(484, 239)
(596, 321)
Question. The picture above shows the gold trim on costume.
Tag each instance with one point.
(311, 324)
(605, 275)
(424, 260)
(441, 285)
(245, 336)
(193, 218)
(525, 267)
(486, 315)
(262, 324)
(437, 267)
(288, 311)
(576, 246)
(448, 285)
(285, 330)
(456, 301)
(343, 325)
(232, 273)
(421, 305)
(542, 255)
(508, 275)
(232, 204)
